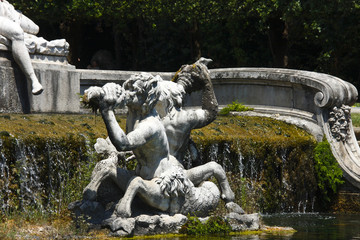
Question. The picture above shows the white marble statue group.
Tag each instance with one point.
(158, 132)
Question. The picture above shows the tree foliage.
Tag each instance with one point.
(163, 34)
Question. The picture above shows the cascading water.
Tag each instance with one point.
(4, 181)
(35, 173)
(29, 181)
(241, 165)
(269, 174)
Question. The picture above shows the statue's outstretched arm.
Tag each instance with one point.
(107, 98)
(209, 105)
(116, 134)
(196, 77)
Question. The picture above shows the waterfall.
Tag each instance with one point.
(268, 173)
(42, 174)
(29, 181)
(4, 181)
(46, 172)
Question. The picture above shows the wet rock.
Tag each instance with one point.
(234, 207)
(171, 223)
(145, 224)
(122, 226)
(244, 222)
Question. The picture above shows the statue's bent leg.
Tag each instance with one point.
(106, 169)
(15, 34)
(28, 25)
(148, 190)
(202, 173)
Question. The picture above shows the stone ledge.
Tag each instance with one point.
(61, 85)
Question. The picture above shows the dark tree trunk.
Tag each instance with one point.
(278, 39)
(117, 48)
(74, 37)
(195, 41)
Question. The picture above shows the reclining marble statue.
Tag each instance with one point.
(17, 34)
(158, 142)
(12, 26)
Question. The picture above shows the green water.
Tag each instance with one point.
(317, 226)
(308, 226)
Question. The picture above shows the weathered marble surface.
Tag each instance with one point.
(61, 88)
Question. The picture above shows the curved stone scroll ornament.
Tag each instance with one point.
(335, 119)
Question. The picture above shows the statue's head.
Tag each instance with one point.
(193, 76)
(143, 91)
(171, 98)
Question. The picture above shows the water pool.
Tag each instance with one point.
(308, 226)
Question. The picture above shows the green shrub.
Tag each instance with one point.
(234, 107)
(214, 225)
(355, 118)
(329, 174)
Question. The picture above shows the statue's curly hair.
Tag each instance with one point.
(147, 84)
(172, 95)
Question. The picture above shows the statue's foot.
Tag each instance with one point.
(122, 210)
(227, 194)
(89, 194)
(37, 89)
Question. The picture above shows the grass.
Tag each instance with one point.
(355, 117)
(234, 107)
(53, 125)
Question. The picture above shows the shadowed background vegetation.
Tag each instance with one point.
(161, 35)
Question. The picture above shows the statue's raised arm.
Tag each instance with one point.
(196, 77)
(179, 121)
